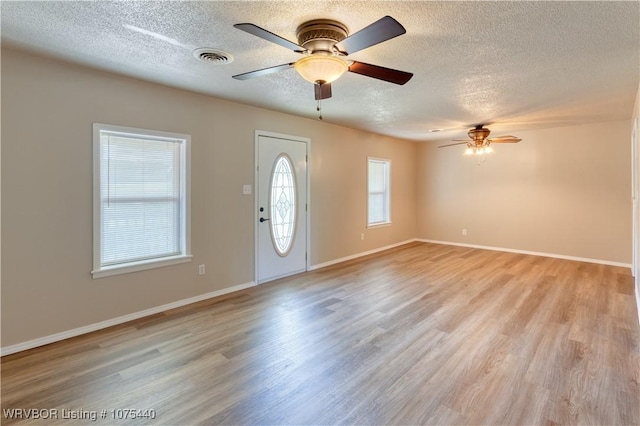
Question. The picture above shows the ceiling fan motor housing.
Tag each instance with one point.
(320, 35)
(479, 134)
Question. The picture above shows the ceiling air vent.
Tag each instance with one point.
(213, 56)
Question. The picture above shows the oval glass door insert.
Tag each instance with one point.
(283, 205)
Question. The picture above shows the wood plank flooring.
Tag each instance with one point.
(421, 334)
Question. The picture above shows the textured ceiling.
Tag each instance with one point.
(518, 65)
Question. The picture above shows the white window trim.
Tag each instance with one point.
(185, 181)
(387, 222)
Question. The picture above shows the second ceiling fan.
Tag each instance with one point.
(479, 141)
(324, 44)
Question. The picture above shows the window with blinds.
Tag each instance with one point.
(379, 189)
(141, 214)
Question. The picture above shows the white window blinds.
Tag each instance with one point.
(378, 184)
(141, 198)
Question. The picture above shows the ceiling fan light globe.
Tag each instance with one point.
(468, 151)
(321, 68)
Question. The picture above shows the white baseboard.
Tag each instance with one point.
(357, 255)
(532, 253)
(119, 320)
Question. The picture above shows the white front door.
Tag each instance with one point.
(281, 195)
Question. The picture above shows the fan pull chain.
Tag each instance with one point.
(319, 109)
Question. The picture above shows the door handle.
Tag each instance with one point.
(262, 219)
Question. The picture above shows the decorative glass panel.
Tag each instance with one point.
(283, 204)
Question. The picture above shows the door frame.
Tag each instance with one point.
(635, 175)
(256, 187)
(635, 189)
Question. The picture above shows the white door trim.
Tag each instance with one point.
(635, 189)
(634, 200)
(307, 142)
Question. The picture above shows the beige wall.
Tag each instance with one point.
(563, 191)
(48, 108)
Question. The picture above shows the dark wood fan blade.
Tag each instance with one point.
(505, 139)
(452, 144)
(382, 30)
(462, 140)
(264, 71)
(269, 36)
(381, 73)
(323, 91)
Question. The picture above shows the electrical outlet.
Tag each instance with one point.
(464, 231)
(246, 189)
(201, 269)
(362, 236)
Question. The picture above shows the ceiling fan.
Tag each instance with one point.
(324, 43)
(479, 142)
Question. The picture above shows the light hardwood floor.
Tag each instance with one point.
(422, 334)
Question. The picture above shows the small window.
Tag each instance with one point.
(141, 203)
(379, 191)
